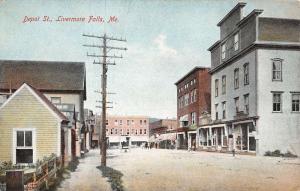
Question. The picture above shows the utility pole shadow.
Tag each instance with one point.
(114, 177)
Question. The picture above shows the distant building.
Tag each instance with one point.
(32, 128)
(133, 130)
(61, 82)
(90, 123)
(255, 85)
(95, 133)
(193, 98)
(163, 133)
(163, 126)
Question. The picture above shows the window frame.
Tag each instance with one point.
(224, 84)
(216, 87)
(280, 102)
(237, 104)
(292, 104)
(223, 52)
(274, 70)
(236, 43)
(216, 112)
(236, 78)
(246, 105)
(224, 110)
(246, 75)
(57, 98)
(193, 118)
(33, 144)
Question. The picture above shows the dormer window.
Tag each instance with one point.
(236, 41)
(223, 51)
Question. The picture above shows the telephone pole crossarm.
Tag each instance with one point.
(108, 47)
(103, 56)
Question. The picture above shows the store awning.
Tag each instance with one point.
(168, 136)
(184, 118)
(152, 138)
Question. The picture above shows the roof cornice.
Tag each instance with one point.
(239, 5)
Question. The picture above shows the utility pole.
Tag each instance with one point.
(104, 63)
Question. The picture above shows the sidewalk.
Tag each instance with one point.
(86, 177)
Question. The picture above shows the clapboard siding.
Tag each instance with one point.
(26, 111)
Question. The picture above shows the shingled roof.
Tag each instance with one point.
(43, 75)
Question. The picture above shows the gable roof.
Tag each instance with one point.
(41, 98)
(43, 75)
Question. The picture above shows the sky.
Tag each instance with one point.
(165, 40)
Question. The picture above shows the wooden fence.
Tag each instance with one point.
(43, 174)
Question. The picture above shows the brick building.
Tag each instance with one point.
(134, 130)
(193, 99)
(163, 133)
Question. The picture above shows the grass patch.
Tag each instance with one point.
(277, 153)
(114, 177)
(61, 174)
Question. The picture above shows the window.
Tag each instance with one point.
(216, 109)
(223, 84)
(277, 69)
(141, 122)
(216, 87)
(145, 122)
(24, 146)
(145, 131)
(236, 103)
(106, 122)
(111, 131)
(246, 74)
(127, 131)
(121, 131)
(277, 102)
(132, 131)
(236, 41)
(116, 131)
(236, 78)
(193, 117)
(186, 99)
(116, 122)
(3, 98)
(128, 122)
(193, 96)
(141, 131)
(136, 131)
(132, 122)
(296, 102)
(56, 100)
(223, 51)
(224, 109)
(121, 122)
(246, 104)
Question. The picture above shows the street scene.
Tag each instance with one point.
(160, 169)
(150, 95)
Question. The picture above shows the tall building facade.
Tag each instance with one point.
(255, 85)
(193, 99)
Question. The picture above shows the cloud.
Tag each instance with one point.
(164, 49)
